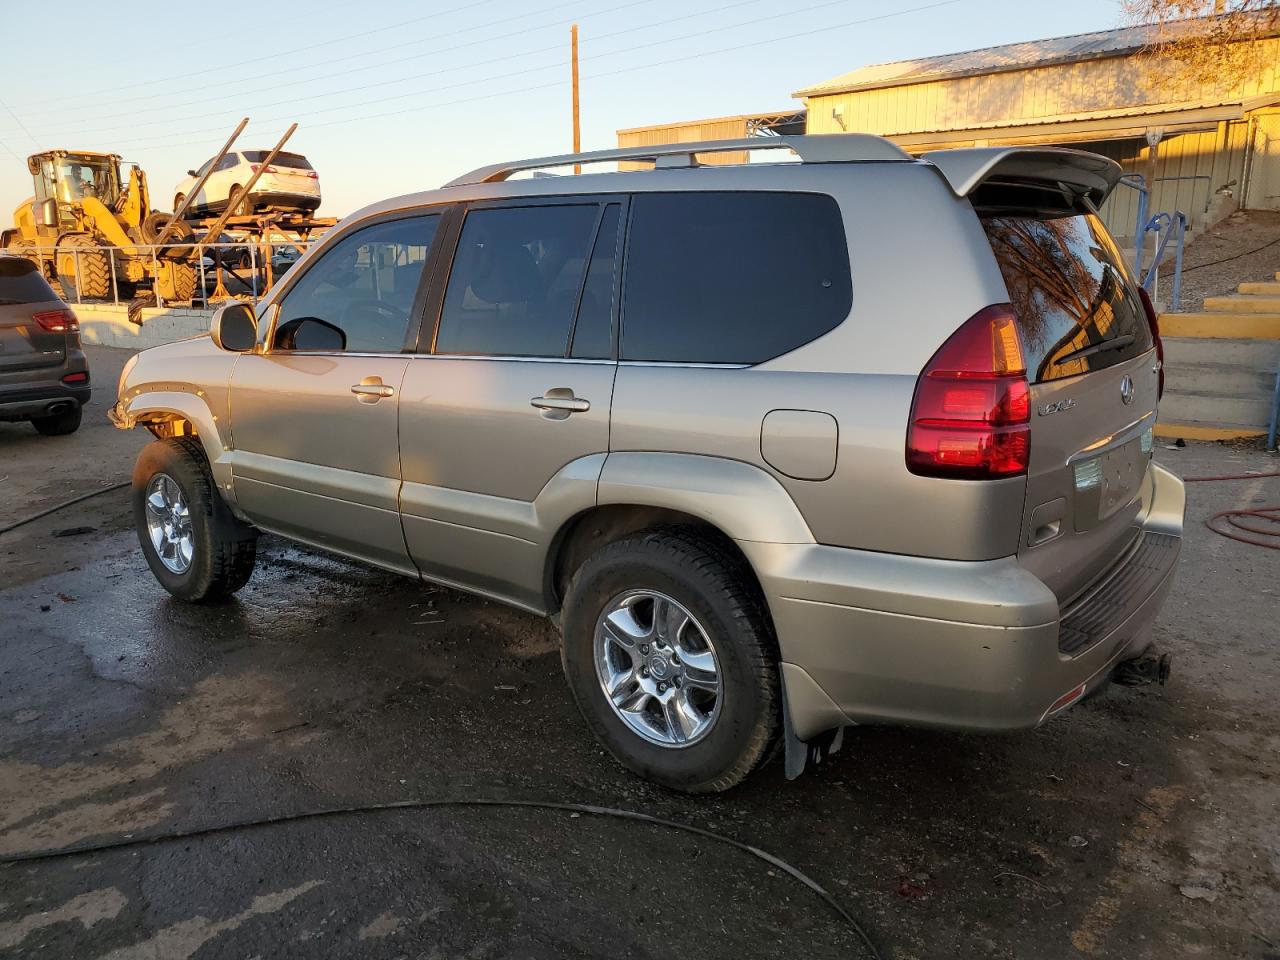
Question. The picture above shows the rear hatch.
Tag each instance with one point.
(28, 307)
(1091, 364)
(291, 170)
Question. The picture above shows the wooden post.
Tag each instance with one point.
(577, 126)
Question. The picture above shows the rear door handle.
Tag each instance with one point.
(372, 389)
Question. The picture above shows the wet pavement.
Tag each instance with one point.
(1142, 824)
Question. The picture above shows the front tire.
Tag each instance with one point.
(670, 655)
(194, 545)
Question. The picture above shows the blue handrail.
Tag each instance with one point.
(1138, 182)
(1167, 226)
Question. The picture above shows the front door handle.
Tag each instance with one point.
(372, 389)
(558, 402)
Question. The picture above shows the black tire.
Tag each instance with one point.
(24, 248)
(154, 225)
(234, 200)
(223, 548)
(717, 589)
(59, 424)
(177, 201)
(86, 272)
(183, 287)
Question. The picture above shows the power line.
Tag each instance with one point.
(289, 71)
(20, 124)
(559, 83)
(222, 67)
(555, 48)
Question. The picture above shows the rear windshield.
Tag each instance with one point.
(1068, 286)
(21, 282)
(295, 161)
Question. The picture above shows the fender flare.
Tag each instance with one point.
(129, 410)
(743, 501)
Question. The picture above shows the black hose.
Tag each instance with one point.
(59, 506)
(1227, 523)
(590, 809)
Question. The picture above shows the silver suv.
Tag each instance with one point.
(781, 448)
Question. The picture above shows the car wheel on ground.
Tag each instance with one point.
(59, 424)
(670, 657)
(195, 546)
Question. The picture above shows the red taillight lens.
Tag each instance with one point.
(1153, 321)
(256, 167)
(57, 321)
(971, 416)
(81, 377)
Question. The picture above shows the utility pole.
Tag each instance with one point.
(577, 127)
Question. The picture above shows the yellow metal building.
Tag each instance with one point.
(1217, 146)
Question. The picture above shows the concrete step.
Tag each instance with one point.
(1219, 384)
(1262, 289)
(1235, 326)
(1177, 429)
(1236, 303)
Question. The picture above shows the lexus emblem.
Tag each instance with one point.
(1126, 389)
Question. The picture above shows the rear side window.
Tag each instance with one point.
(1077, 311)
(21, 282)
(516, 278)
(732, 277)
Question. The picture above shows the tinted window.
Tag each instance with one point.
(21, 282)
(515, 281)
(732, 277)
(593, 332)
(295, 161)
(364, 285)
(1070, 291)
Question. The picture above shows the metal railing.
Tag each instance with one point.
(1166, 227)
(234, 269)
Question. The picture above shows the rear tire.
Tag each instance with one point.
(177, 201)
(195, 546)
(59, 424)
(722, 736)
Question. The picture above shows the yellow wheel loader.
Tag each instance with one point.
(85, 228)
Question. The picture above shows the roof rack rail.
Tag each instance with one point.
(826, 148)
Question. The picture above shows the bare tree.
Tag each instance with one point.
(1202, 40)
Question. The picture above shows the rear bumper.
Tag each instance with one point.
(41, 398)
(881, 638)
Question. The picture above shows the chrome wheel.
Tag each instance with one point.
(657, 668)
(169, 523)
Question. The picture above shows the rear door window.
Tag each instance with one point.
(21, 282)
(740, 278)
(1077, 309)
(516, 280)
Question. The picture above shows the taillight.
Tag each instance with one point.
(57, 321)
(1153, 321)
(255, 168)
(971, 417)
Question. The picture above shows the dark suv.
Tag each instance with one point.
(44, 376)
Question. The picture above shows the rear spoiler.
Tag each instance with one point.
(1088, 174)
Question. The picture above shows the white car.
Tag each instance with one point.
(289, 183)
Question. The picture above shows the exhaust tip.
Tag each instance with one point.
(1148, 668)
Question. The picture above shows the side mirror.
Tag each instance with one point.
(234, 328)
(310, 333)
(192, 173)
(49, 213)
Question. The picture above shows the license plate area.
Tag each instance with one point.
(1109, 481)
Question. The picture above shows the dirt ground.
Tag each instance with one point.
(1242, 248)
(1142, 824)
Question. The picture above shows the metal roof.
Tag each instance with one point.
(1011, 56)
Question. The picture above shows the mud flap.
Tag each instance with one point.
(799, 754)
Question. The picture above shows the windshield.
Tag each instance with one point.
(81, 177)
